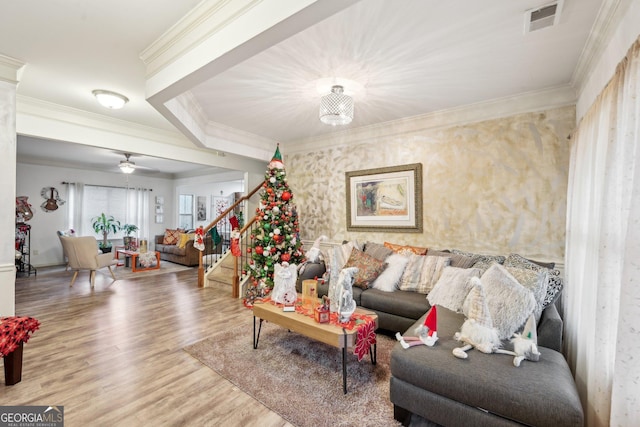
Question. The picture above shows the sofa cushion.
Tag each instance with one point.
(184, 238)
(554, 284)
(377, 250)
(406, 304)
(406, 249)
(483, 261)
(452, 287)
(368, 267)
(457, 260)
(510, 303)
(388, 280)
(171, 237)
(536, 282)
(175, 250)
(422, 273)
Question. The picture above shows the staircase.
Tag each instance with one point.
(221, 274)
(228, 272)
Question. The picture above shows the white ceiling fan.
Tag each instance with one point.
(127, 166)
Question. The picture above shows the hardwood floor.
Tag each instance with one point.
(112, 356)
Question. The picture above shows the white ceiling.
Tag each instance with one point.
(411, 57)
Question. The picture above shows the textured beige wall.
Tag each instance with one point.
(497, 186)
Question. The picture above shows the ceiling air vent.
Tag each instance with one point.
(542, 17)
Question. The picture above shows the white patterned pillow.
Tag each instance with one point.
(452, 287)
(388, 280)
(510, 303)
(554, 282)
(422, 273)
(536, 282)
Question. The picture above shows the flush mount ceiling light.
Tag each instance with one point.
(127, 166)
(336, 108)
(110, 99)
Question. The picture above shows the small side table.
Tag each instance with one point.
(14, 332)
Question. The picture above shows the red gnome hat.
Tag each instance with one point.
(431, 321)
(428, 332)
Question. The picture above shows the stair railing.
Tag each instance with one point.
(214, 251)
(239, 272)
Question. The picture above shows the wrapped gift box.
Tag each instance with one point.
(321, 314)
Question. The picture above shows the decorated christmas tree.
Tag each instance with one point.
(276, 237)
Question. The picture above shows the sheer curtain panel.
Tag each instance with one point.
(602, 267)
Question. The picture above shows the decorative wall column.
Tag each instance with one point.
(9, 77)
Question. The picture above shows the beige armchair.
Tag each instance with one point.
(82, 253)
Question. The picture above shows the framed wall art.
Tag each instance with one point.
(201, 208)
(385, 199)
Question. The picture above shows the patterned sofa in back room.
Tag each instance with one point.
(177, 246)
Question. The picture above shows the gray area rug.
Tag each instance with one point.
(301, 379)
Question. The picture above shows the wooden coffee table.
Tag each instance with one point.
(327, 333)
(133, 255)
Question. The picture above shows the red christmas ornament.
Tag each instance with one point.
(259, 250)
(285, 196)
(273, 250)
(248, 250)
(269, 190)
(285, 257)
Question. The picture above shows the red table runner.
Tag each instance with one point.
(15, 330)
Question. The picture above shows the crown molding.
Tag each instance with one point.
(202, 22)
(10, 69)
(609, 17)
(502, 107)
(189, 116)
(28, 106)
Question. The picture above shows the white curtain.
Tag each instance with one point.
(138, 210)
(601, 299)
(75, 191)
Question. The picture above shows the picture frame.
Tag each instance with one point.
(159, 219)
(385, 199)
(201, 208)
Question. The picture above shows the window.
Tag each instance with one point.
(185, 212)
(129, 206)
(108, 200)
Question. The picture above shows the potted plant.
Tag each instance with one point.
(105, 224)
(129, 242)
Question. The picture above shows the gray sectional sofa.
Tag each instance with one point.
(482, 390)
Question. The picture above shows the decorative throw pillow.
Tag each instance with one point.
(388, 280)
(422, 273)
(411, 275)
(377, 250)
(457, 260)
(184, 238)
(536, 282)
(510, 303)
(483, 262)
(406, 249)
(369, 268)
(171, 237)
(554, 283)
(452, 287)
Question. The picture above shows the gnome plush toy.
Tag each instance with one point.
(525, 345)
(314, 254)
(477, 331)
(427, 332)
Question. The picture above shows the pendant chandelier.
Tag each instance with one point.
(336, 108)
